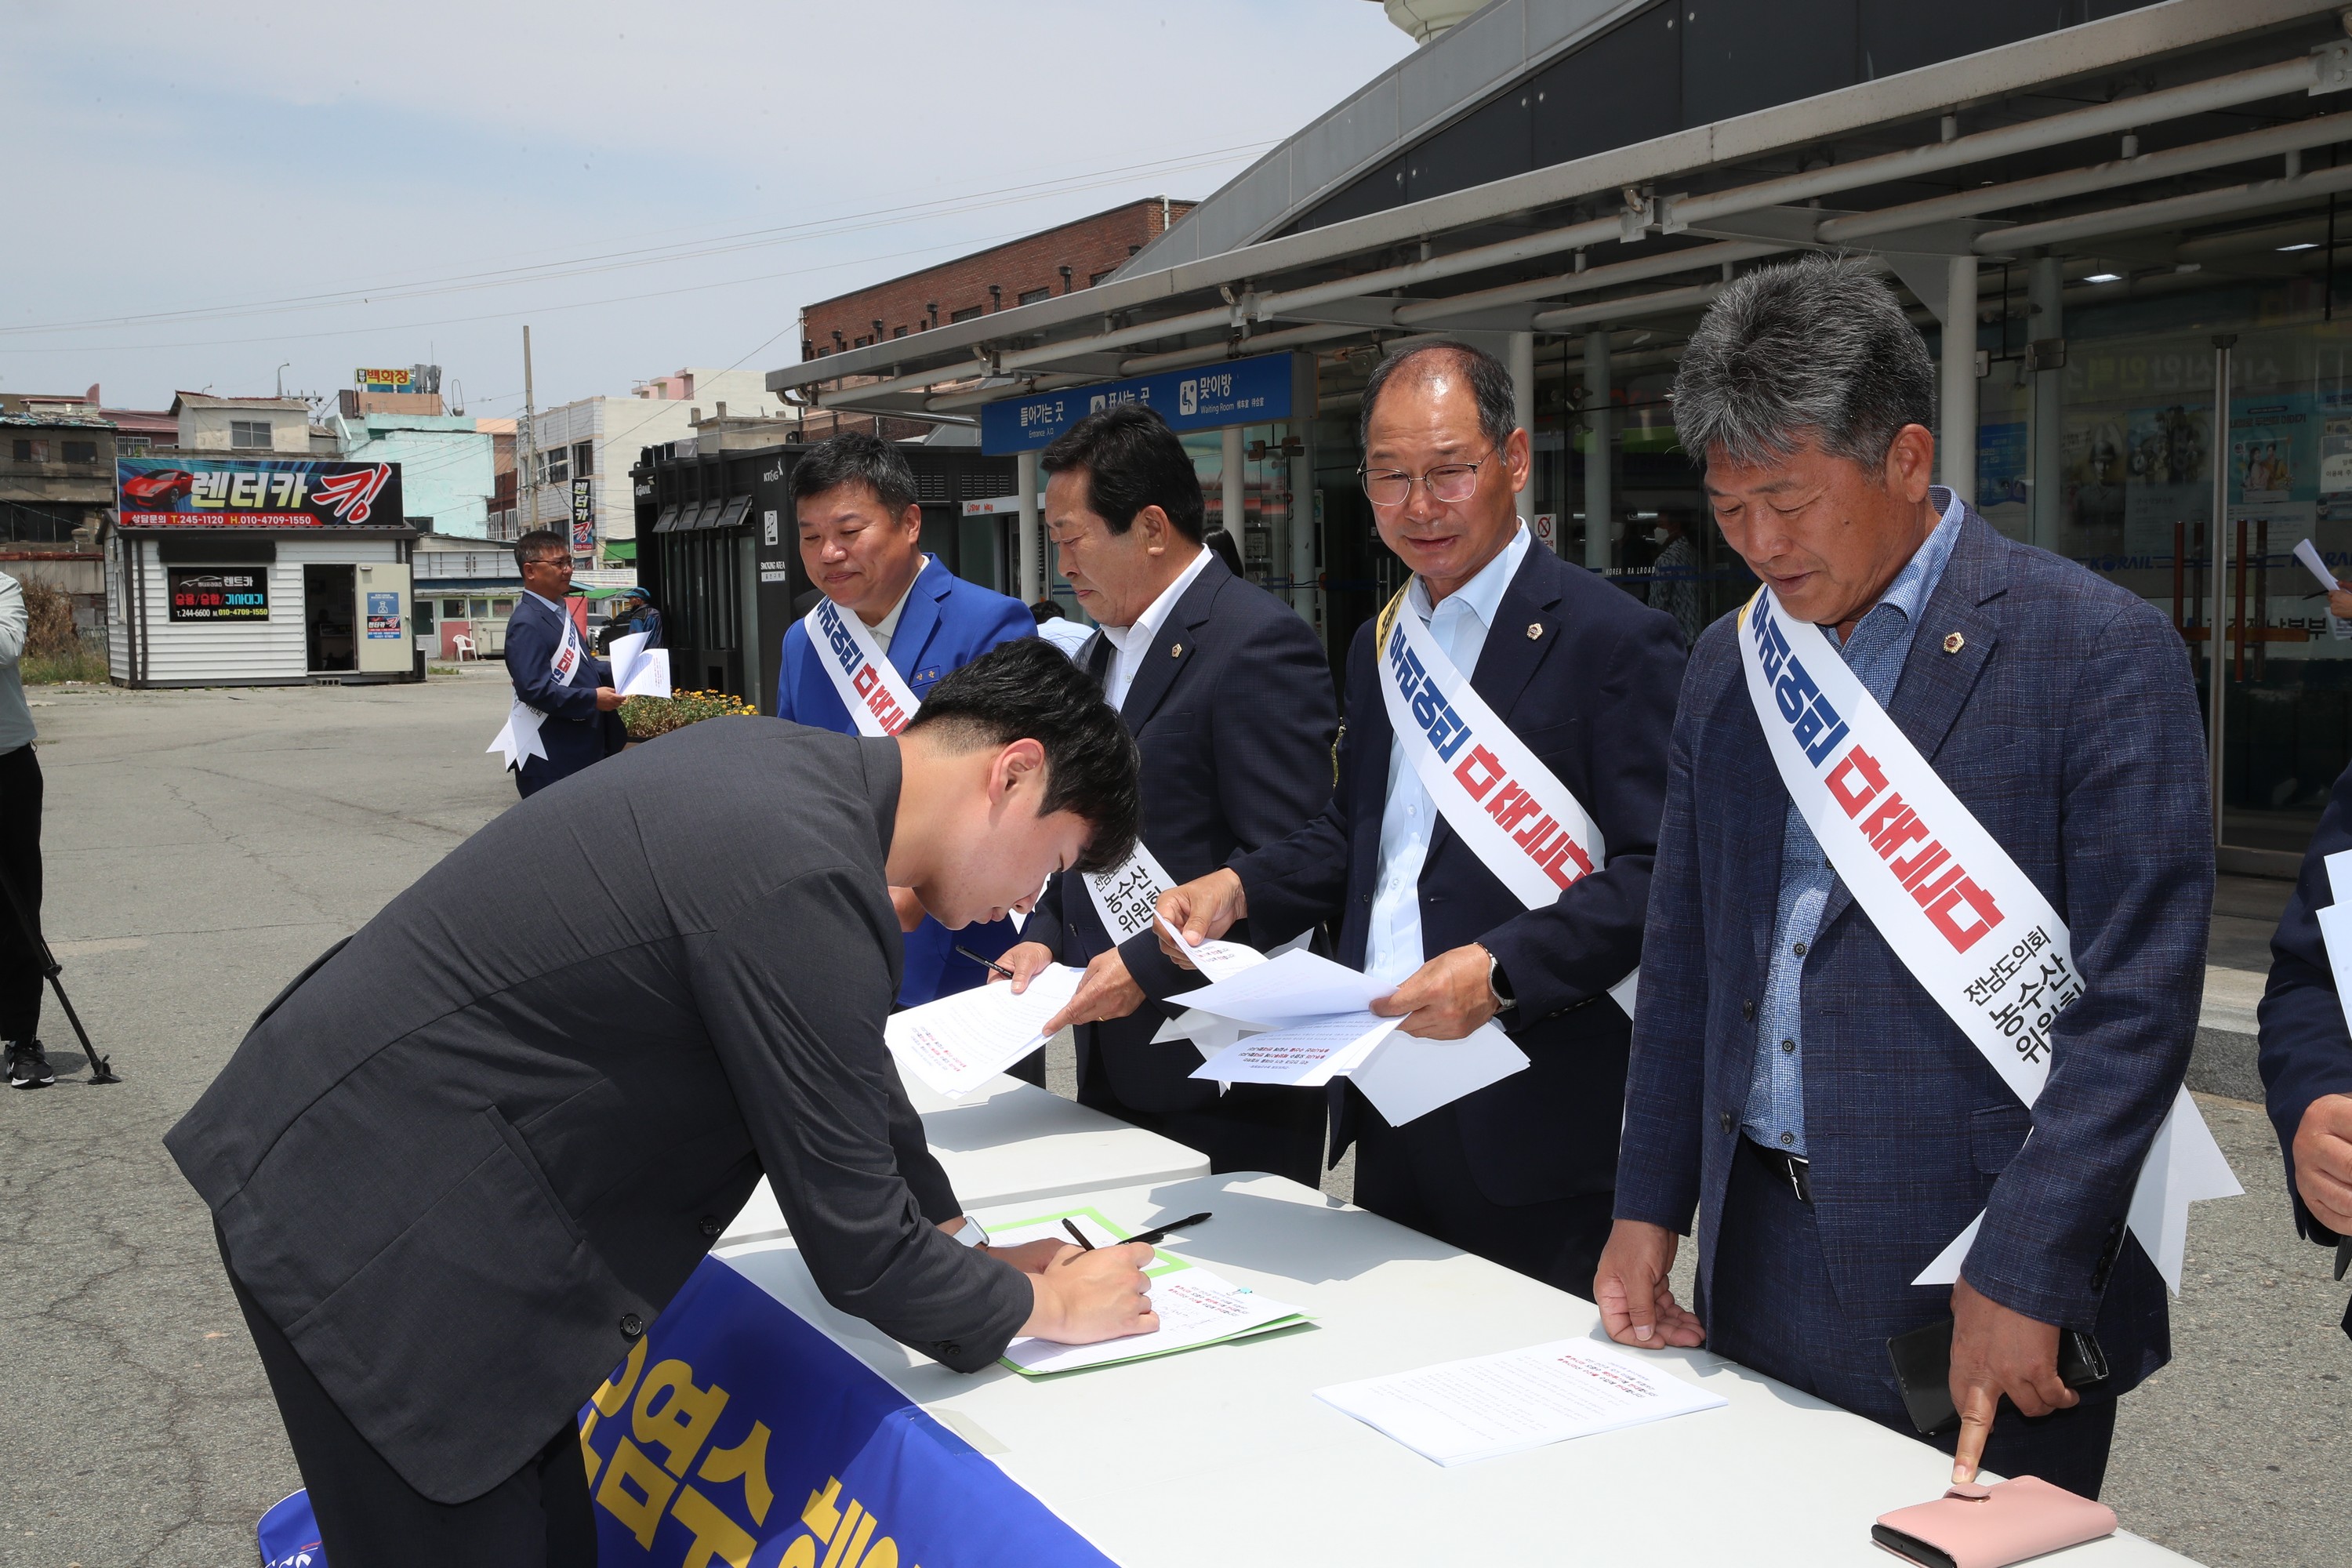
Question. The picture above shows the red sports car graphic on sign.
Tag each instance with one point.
(351, 493)
(160, 487)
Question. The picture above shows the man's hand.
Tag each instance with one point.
(1107, 992)
(1031, 1257)
(1637, 1306)
(1084, 1296)
(1995, 1352)
(1027, 960)
(1203, 909)
(2323, 1161)
(2339, 602)
(910, 908)
(608, 699)
(1446, 998)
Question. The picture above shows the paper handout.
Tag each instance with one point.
(960, 1041)
(1216, 959)
(1306, 1054)
(518, 741)
(1299, 985)
(639, 670)
(1409, 1077)
(1196, 1308)
(1459, 1411)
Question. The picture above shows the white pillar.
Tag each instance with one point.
(1302, 536)
(1032, 555)
(1234, 518)
(1596, 422)
(2043, 320)
(1519, 359)
(1957, 467)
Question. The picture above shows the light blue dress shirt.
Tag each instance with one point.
(1774, 1116)
(1408, 815)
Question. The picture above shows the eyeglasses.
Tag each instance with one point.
(1448, 483)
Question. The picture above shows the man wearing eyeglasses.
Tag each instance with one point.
(1581, 680)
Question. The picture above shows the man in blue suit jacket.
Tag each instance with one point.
(1228, 694)
(582, 722)
(1791, 1081)
(1585, 676)
(861, 535)
(2307, 1052)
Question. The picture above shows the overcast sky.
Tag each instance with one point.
(202, 192)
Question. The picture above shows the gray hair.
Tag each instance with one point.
(1818, 347)
(1490, 386)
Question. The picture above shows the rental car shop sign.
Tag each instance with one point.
(256, 493)
(1235, 392)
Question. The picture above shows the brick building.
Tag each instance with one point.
(1071, 256)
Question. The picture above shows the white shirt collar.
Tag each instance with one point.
(888, 626)
(1147, 624)
(550, 604)
(1483, 594)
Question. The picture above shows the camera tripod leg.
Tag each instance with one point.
(101, 1069)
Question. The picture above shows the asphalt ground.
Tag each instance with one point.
(203, 846)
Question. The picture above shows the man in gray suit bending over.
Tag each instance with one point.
(461, 1164)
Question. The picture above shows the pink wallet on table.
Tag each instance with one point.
(1973, 1526)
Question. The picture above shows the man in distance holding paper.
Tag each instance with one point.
(462, 1162)
(891, 622)
(1489, 856)
(1929, 788)
(554, 673)
(1228, 694)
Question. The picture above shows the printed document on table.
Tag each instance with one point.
(1460, 1411)
(1196, 1307)
(960, 1042)
(1304, 1054)
(639, 670)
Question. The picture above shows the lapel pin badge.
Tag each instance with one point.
(1954, 643)
(1176, 650)
(1535, 630)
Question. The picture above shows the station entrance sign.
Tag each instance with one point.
(1255, 391)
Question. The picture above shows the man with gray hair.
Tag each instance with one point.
(1487, 848)
(1959, 784)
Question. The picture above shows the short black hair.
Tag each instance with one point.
(1221, 540)
(1044, 610)
(857, 458)
(1027, 690)
(1131, 460)
(1490, 387)
(538, 544)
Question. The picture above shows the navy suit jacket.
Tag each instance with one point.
(946, 624)
(1233, 712)
(1593, 694)
(575, 734)
(2065, 719)
(2307, 1052)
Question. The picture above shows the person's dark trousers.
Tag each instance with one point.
(1773, 1309)
(369, 1517)
(1250, 1127)
(20, 860)
(1416, 1175)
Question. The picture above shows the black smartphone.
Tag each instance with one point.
(1923, 1370)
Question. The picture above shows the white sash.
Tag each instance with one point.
(1127, 896)
(518, 741)
(1964, 920)
(878, 697)
(1513, 811)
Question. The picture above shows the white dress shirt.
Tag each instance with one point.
(888, 626)
(1407, 818)
(1132, 642)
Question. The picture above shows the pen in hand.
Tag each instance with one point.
(1160, 1233)
(1077, 1234)
(983, 963)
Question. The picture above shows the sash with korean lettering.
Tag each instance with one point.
(1512, 811)
(878, 697)
(1126, 895)
(518, 741)
(1964, 917)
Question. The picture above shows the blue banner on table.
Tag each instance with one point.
(1209, 397)
(736, 1433)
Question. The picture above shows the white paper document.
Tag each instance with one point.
(639, 670)
(1409, 1077)
(1464, 1410)
(1216, 959)
(960, 1041)
(1195, 1307)
(517, 742)
(1306, 1054)
(1298, 984)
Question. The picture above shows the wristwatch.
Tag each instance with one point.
(1500, 985)
(972, 1235)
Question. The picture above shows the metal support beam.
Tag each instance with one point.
(1519, 359)
(1235, 516)
(1302, 537)
(1032, 556)
(2045, 320)
(2216, 666)
(1596, 422)
(1958, 448)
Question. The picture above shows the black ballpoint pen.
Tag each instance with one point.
(1160, 1233)
(984, 963)
(1077, 1234)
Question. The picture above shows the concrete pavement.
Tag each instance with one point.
(203, 846)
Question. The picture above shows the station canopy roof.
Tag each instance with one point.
(2155, 148)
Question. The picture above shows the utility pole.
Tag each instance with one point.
(530, 428)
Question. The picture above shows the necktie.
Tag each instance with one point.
(1098, 662)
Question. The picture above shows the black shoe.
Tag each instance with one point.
(28, 1065)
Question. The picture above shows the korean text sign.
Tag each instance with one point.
(1208, 398)
(257, 492)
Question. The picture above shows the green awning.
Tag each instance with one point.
(620, 549)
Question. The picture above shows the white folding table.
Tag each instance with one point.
(1224, 1454)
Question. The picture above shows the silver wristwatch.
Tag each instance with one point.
(1504, 1001)
(972, 1235)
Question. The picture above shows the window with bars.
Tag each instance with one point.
(583, 459)
(249, 435)
(1031, 296)
(968, 313)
